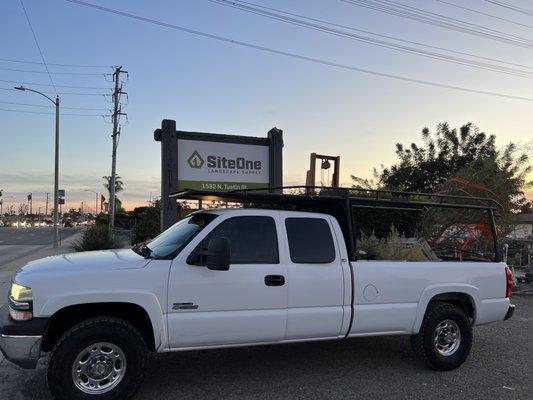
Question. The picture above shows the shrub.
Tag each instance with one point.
(148, 223)
(122, 220)
(101, 219)
(96, 237)
(395, 247)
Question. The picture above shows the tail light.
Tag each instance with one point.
(509, 282)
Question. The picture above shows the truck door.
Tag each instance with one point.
(245, 304)
(315, 277)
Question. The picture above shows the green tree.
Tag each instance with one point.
(466, 153)
(119, 185)
(463, 161)
(147, 222)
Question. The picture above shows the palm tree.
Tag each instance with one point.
(119, 185)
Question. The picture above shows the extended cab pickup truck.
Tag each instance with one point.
(239, 277)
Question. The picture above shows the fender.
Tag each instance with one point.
(148, 301)
(441, 288)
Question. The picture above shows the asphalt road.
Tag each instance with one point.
(19, 242)
(499, 367)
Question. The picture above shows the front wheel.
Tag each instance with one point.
(101, 358)
(445, 337)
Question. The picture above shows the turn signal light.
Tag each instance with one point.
(509, 281)
(18, 315)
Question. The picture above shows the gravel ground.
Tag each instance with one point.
(499, 367)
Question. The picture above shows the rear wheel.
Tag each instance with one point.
(445, 337)
(101, 358)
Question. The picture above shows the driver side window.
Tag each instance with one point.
(253, 240)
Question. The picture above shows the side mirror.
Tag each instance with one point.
(217, 254)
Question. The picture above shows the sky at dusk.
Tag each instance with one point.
(212, 86)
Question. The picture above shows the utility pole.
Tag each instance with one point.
(116, 133)
(56, 179)
(46, 208)
(30, 202)
(95, 201)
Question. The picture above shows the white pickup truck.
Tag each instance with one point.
(237, 277)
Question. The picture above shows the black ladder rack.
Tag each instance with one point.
(340, 202)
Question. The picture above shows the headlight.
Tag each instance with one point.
(20, 292)
(20, 302)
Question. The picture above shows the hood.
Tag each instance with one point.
(87, 260)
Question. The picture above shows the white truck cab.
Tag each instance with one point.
(236, 277)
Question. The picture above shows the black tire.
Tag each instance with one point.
(96, 330)
(423, 343)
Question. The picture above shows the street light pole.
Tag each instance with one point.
(95, 201)
(56, 179)
(56, 164)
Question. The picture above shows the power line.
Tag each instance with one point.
(486, 14)
(295, 55)
(65, 93)
(37, 43)
(46, 113)
(55, 64)
(245, 6)
(388, 36)
(417, 14)
(59, 86)
(511, 7)
(46, 106)
(52, 73)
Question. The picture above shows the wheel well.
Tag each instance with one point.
(69, 316)
(461, 300)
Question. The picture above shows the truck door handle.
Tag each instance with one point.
(274, 280)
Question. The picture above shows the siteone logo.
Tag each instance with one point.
(239, 163)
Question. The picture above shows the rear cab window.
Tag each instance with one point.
(310, 240)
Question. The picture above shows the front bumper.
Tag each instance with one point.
(20, 342)
(510, 312)
(23, 351)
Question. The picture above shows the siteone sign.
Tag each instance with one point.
(215, 162)
(208, 165)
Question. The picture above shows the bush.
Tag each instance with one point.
(149, 225)
(395, 247)
(101, 219)
(122, 220)
(96, 237)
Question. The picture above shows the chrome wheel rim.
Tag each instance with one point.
(447, 337)
(99, 368)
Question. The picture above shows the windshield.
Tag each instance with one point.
(169, 243)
